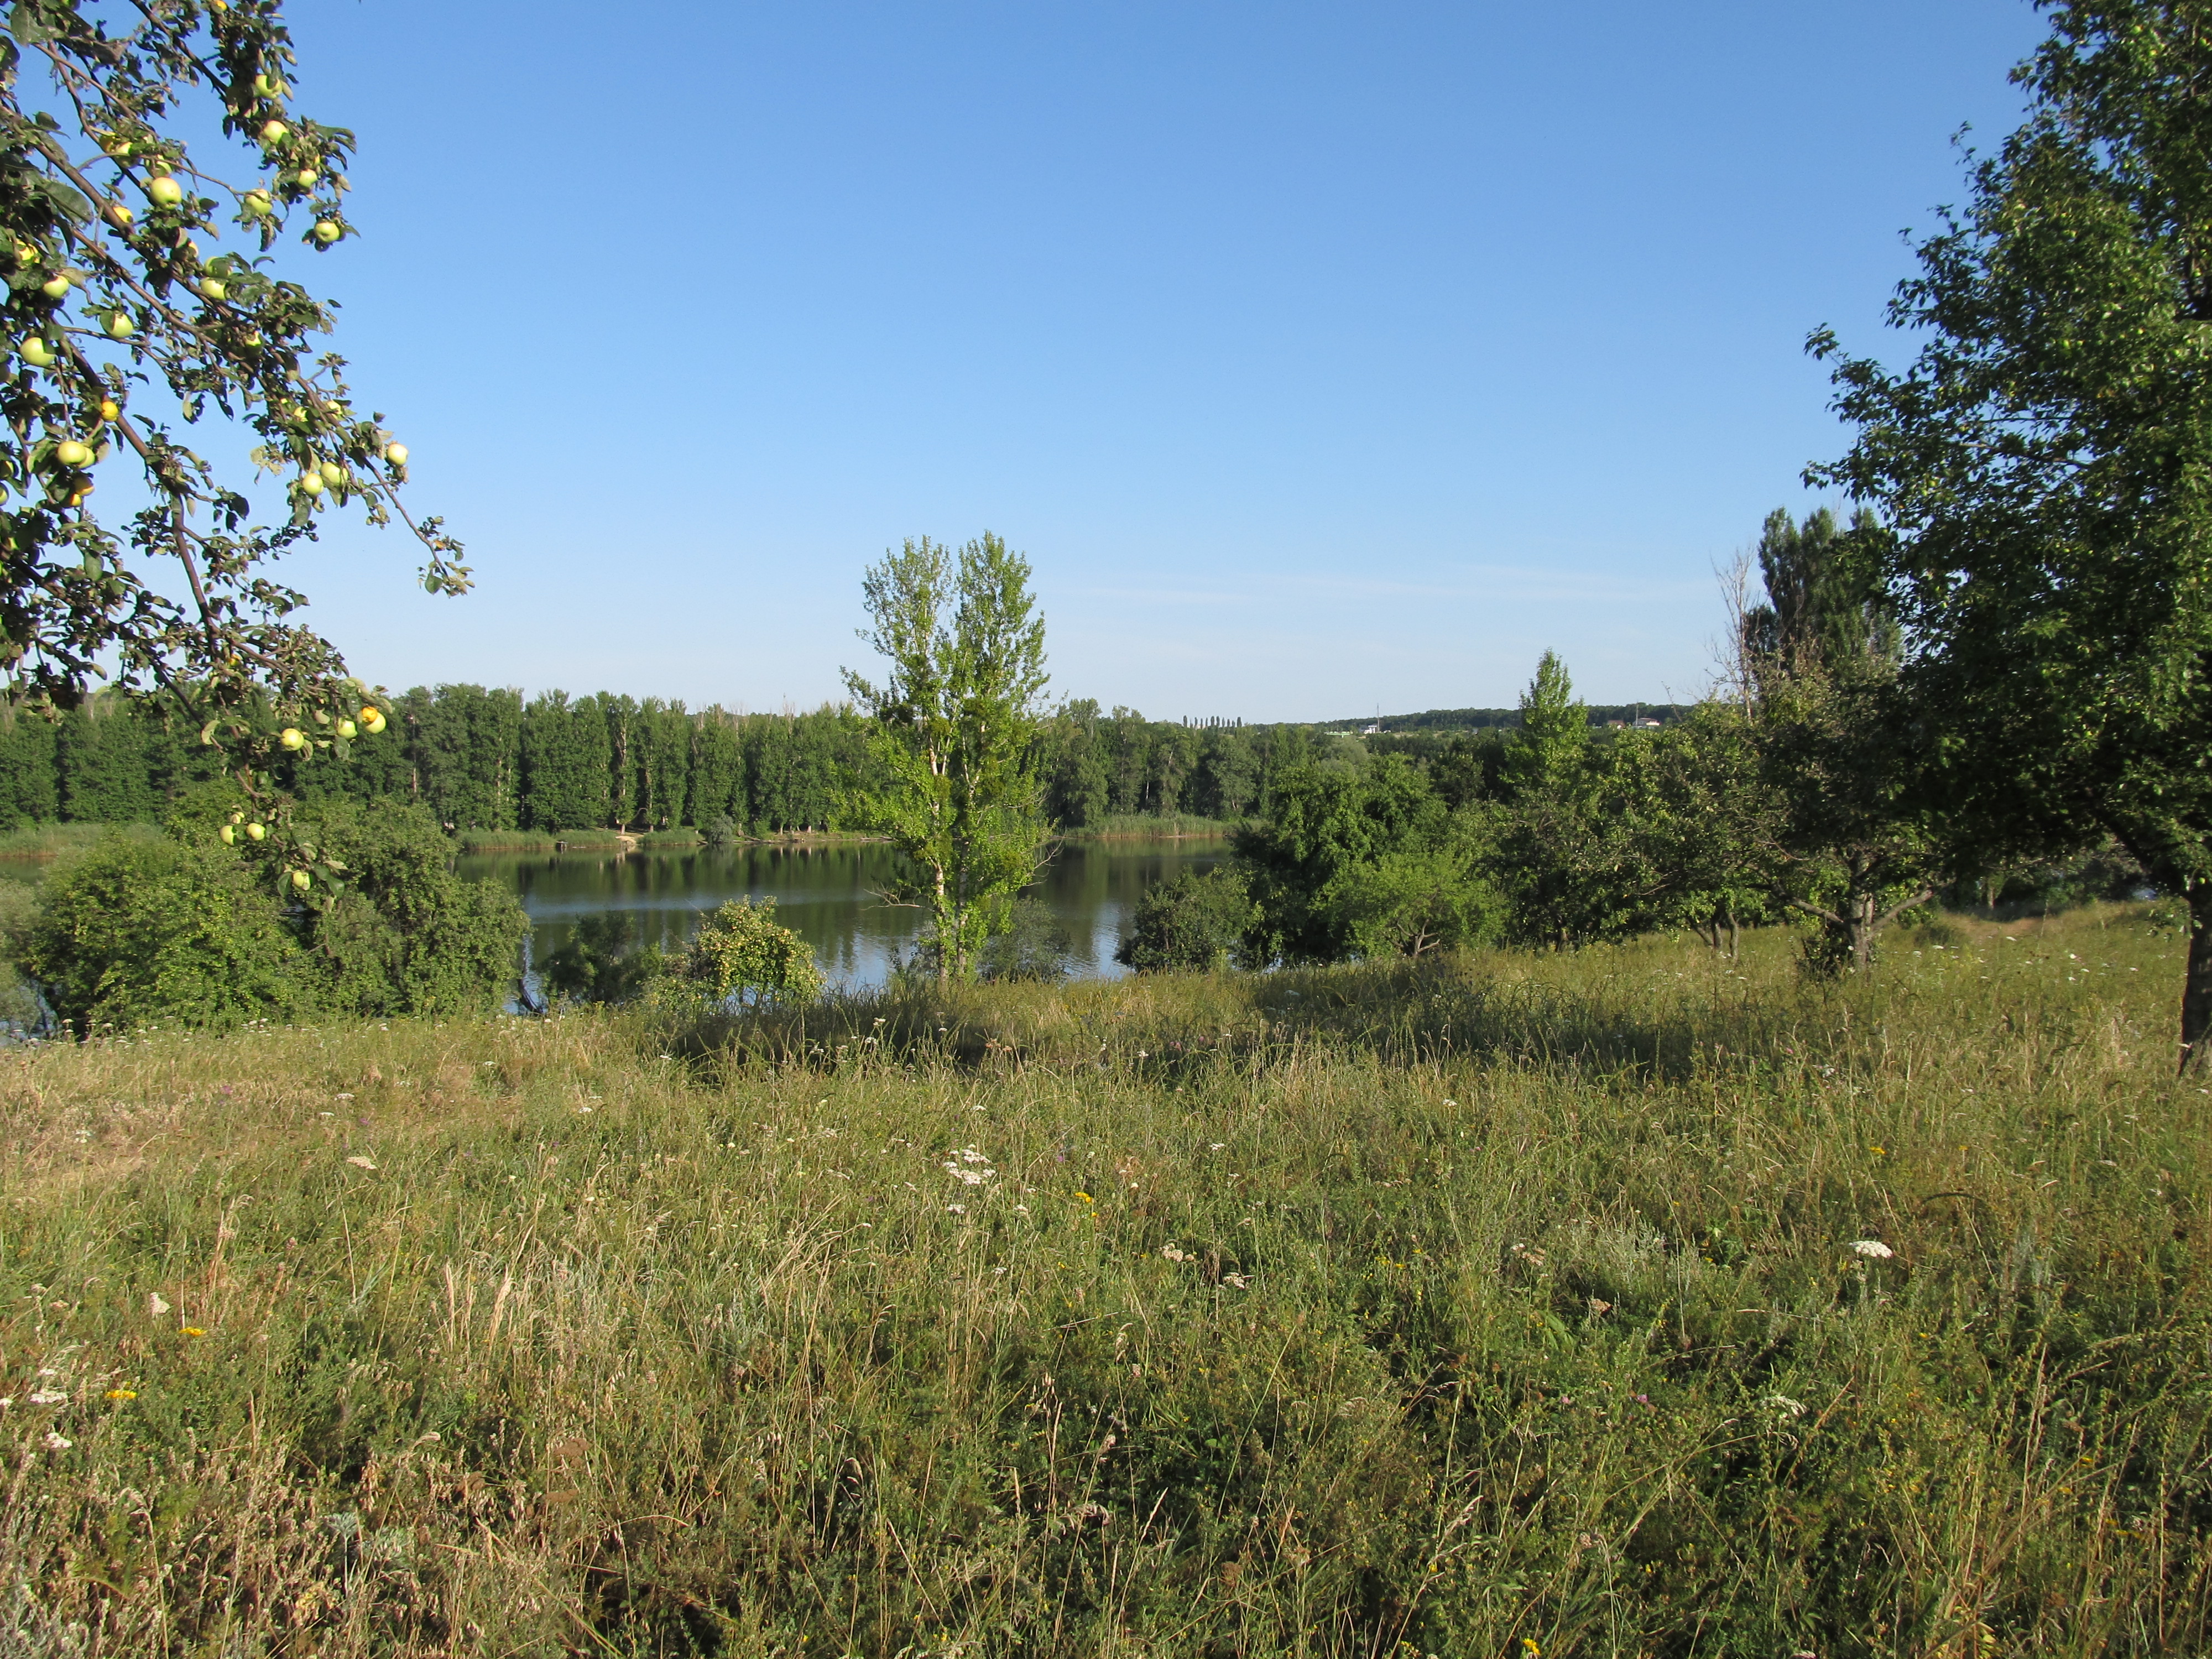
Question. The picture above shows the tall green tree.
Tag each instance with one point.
(955, 721)
(2044, 466)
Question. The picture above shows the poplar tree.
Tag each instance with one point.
(2044, 466)
(955, 721)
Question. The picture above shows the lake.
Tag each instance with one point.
(827, 893)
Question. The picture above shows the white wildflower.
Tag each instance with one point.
(156, 1307)
(1784, 1404)
(1174, 1252)
(360, 1163)
(1873, 1248)
(958, 1209)
(55, 1443)
(46, 1396)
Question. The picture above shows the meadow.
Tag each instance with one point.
(1631, 1301)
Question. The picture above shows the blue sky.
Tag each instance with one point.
(1321, 357)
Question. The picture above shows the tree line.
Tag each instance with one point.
(486, 760)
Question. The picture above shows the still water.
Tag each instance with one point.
(827, 895)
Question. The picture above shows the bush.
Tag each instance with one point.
(145, 928)
(1035, 946)
(148, 929)
(741, 954)
(404, 935)
(606, 960)
(1191, 925)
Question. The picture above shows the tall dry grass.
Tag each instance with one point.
(1503, 1305)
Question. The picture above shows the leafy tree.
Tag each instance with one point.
(1356, 862)
(1549, 750)
(1194, 924)
(143, 299)
(147, 928)
(1229, 773)
(1822, 610)
(742, 953)
(2042, 466)
(1418, 899)
(955, 720)
(397, 932)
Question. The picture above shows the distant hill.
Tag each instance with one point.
(1477, 720)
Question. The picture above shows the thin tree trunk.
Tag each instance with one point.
(2196, 989)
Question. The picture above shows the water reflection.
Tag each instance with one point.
(827, 895)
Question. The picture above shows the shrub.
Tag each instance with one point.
(741, 954)
(606, 960)
(403, 934)
(1191, 925)
(1035, 946)
(145, 928)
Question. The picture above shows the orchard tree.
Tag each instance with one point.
(2044, 466)
(152, 317)
(955, 729)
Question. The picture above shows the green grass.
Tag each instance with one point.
(1495, 1306)
(47, 840)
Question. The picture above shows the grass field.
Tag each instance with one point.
(1507, 1306)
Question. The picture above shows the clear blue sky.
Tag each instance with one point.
(1321, 357)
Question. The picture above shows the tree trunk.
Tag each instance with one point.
(2196, 989)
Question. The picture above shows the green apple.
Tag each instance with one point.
(347, 729)
(311, 481)
(306, 178)
(214, 288)
(327, 232)
(71, 454)
(372, 719)
(55, 288)
(164, 191)
(238, 817)
(120, 325)
(36, 350)
(333, 474)
(301, 880)
(275, 133)
(256, 204)
(251, 339)
(255, 831)
(229, 835)
(118, 216)
(293, 737)
(396, 454)
(109, 409)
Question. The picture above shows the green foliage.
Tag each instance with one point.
(742, 955)
(1195, 924)
(183, 929)
(124, 332)
(954, 735)
(1034, 946)
(147, 929)
(402, 934)
(2040, 466)
(606, 960)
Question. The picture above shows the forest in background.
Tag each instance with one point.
(490, 760)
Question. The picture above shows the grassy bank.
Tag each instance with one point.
(1147, 827)
(1506, 1306)
(49, 840)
